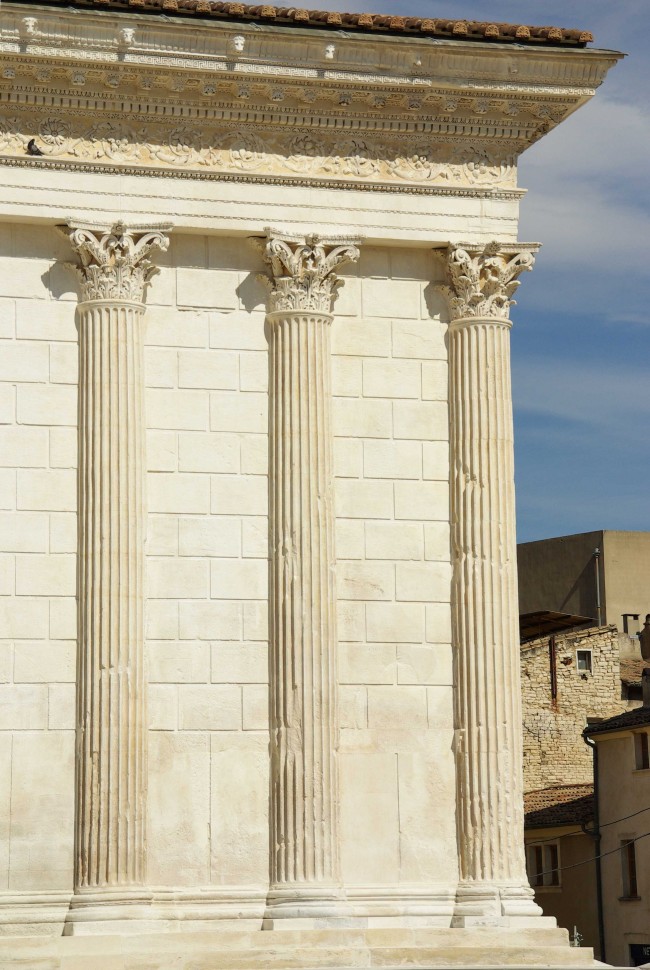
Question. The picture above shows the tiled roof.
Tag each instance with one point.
(631, 671)
(560, 805)
(640, 717)
(366, 22)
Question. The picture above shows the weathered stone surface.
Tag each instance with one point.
(554, 752)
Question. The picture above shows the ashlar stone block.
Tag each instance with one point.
(179, 809)
(209, 708)
(210, 620)
(394, 540)
(239, 811)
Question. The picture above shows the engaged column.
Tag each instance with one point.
(111, 747)
(485, 616)
(305, 878)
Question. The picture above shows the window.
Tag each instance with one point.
(583, 661)
(641, 751)
(628, 866)
(543, 864)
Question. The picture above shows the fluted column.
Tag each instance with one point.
(485, 616)
(304, 843)
(111, 746)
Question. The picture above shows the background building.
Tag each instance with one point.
(622, 779)
(560, 854)
(567, 681)
(565, 574)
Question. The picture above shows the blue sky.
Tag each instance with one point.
(581, 336)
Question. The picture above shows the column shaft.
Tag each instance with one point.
(479, 285)
(111, 689)
(485, 611)
(303, 696)
(111, 740)
(303, 684)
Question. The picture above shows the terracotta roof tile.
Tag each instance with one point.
(560, 805)
(384, 23)
(639, 717)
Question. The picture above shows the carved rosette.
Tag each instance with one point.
(479, 285)
(111, 725)
(302, 274)
(115, 265)
(481, 282)
(304, 841)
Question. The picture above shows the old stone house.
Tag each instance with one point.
(567, 681)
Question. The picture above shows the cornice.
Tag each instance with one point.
(132, 38)
(146, 44)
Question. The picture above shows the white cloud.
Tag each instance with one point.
(588, 200)
(606, 139)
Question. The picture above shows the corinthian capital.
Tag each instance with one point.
(302, 273)
(115, 263)
(480, 282)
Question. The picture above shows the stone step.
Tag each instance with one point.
(307, 950)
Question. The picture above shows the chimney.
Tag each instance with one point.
(645, 680)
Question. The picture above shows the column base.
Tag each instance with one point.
(109, 911)
(305, 907)
(498, 904)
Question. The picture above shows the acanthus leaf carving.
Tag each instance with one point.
(302, 274)
(480, 282)
(115, 263)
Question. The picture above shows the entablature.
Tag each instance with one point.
(267, 100)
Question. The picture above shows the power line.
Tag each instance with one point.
(587, 862)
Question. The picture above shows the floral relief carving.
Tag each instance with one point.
(352, 157)
(183, 146)
(399, 158)
(480, 166)
(420, 165)
(10, 133)
(244, 150)
(55, 136)
(306, 153)
(112, 141)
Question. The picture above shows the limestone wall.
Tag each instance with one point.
(206, 411)
(554, 752)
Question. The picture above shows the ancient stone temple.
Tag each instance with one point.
(259, 674)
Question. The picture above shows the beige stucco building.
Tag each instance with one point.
(560, 851)
(622, 793)
(260, 666)
(603, 575)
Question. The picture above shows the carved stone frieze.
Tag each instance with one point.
(302, 274)
(359, 157)
(115, 265)
(481, 282)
